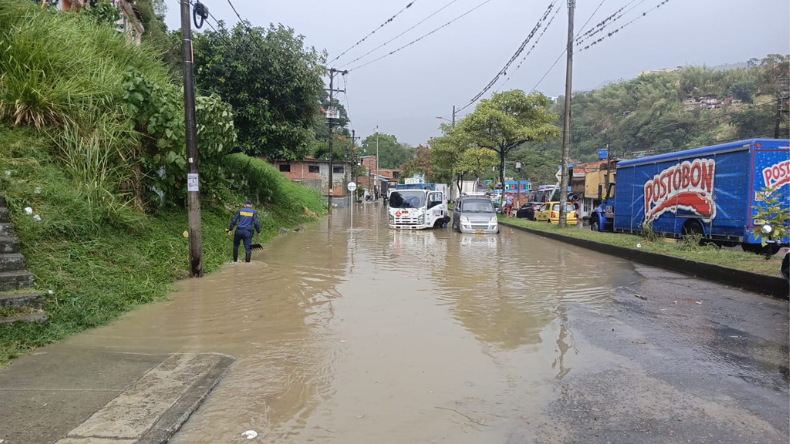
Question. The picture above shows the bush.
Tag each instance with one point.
(262, 182)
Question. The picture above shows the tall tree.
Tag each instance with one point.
(392, 154)
(273, 81)
(508, 120)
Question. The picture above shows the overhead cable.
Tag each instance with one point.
(513, 58)
(386, 22)
(545, 28)
(603, 24)
(419, 38)
(622, 27)
(404, 32)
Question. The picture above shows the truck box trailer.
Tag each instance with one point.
(711, 191)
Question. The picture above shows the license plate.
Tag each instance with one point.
(478, 231)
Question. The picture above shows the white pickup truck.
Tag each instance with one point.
(417, 209)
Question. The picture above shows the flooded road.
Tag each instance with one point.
(371, 335)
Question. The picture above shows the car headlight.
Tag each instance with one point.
(493, 221)
(767, 229)
(464, 220)
(420, 219)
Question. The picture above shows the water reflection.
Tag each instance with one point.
(367, 334)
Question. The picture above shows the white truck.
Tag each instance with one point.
(417, 209)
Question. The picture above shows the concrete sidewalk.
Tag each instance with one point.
(67, 395)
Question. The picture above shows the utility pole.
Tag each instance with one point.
(332, 72)
(193, 190)
(566, 127)
(453, 116)
(778, 117)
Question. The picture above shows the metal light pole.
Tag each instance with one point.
(518, 184)
(375, 193)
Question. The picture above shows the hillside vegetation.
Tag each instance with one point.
(92, 139)
(664, 112)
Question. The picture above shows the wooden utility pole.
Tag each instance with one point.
(193, 191)
(566, 127)
(453, 116)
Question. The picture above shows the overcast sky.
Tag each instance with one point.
(405, 92)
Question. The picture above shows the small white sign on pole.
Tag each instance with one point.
(352, 186)
(192, 182)
(333, 113)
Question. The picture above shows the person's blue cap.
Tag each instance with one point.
(247, 202)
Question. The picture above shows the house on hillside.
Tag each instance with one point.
(130, 23)
(314, 173)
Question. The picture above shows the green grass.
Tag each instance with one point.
(98, 270)
(736, 259)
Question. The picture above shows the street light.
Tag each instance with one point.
(442, 118)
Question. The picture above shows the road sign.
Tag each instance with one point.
(333, 113)
(352, 186)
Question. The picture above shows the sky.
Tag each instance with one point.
(404, 93)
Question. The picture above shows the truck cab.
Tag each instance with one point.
(602, 217)
(415, 209)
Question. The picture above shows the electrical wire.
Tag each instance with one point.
(600, 26)
(622, 27)
(419, 38)
(556, 11)
(577, 36)
(345, 99)
(374, 31)
(404, 32)
(241, 20)
(513, 58)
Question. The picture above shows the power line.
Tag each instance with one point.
(345, 98)
(513, 58)
(593, 31)
(591, 16)
(374, 31)
(404, 32)
(419, 38)
(556, 11)
(621, 28)
(234, 10)
(600, 26)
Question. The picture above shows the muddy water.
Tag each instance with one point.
(374, 335)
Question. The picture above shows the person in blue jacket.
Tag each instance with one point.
(247, 219)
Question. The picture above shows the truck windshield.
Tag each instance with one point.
(407, 199)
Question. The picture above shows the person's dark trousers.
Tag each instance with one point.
(242, 235)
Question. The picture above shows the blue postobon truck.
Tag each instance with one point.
(711, 191)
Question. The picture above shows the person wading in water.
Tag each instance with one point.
(247, 219)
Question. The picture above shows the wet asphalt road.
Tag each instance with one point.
(370, 335)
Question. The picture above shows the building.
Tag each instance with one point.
(373, 176)
(130, 22)
(314, 173)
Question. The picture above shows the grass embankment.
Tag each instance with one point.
(98, 270)
(730, 258)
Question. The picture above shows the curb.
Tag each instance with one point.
(759, 283)
(175, 417)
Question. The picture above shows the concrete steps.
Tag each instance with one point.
(9, 245)
(18, 300)
(12, 262)
(16, 280)
(34, 317)
(21, 300)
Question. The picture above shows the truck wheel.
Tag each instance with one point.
(595, 224)
(692, 228)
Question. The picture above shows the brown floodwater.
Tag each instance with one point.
(366, 334)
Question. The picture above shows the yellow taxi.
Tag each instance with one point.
(550, 212)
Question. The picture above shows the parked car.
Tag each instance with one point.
(528, 210)
(550, 212)
(475, 215)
